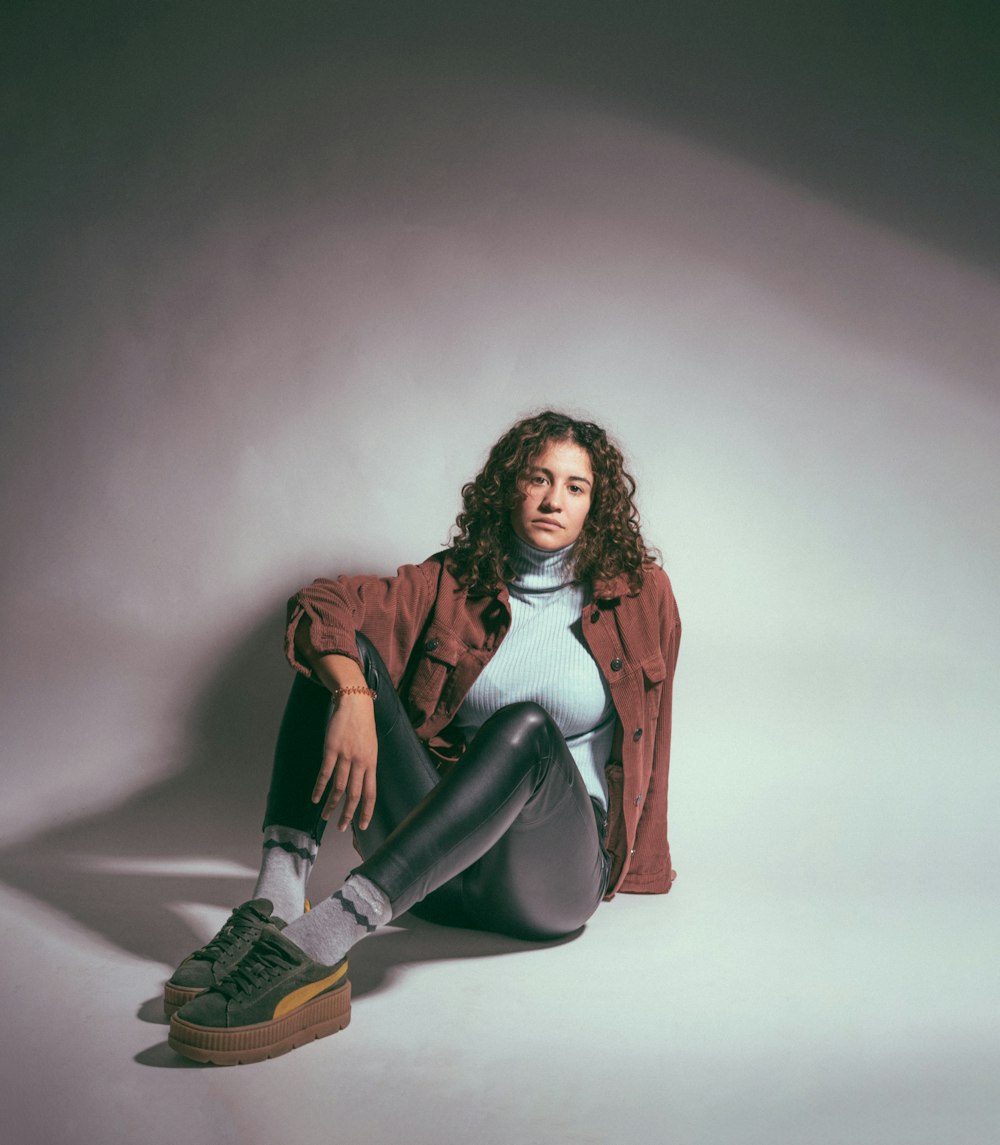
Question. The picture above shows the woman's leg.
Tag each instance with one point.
(506, 841)
(510, 843)
(515, 806)
(510, 832)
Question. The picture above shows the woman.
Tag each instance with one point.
(514, 691)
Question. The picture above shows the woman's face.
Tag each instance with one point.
(554, 496)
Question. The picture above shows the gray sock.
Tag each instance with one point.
(332, 927)
(285, 867)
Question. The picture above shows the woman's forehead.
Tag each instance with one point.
(564, 454)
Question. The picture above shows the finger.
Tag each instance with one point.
(351, 800)
(341, 774)
(327, 769)
(367, 800)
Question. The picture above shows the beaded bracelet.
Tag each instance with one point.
(356, 689)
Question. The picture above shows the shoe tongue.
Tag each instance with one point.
(278, 945)
(262, 907)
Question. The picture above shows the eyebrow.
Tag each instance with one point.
(548, 473)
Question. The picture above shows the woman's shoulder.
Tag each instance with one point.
(655, 581)
(439, 570)
(432, 571)
(657, 592)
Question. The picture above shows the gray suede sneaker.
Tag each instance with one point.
(208, 965)
(275, 999)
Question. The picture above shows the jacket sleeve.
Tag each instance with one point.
(326, 616)
(650, 871)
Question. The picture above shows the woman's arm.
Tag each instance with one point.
(321, 641)
(326, 616)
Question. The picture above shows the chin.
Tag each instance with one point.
(549, 539)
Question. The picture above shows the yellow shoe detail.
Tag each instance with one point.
(305, 994)
(308, 906)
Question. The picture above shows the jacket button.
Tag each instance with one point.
(637, 734)
(431, 645)
(595, 616)
(638, 800)
(616, 665)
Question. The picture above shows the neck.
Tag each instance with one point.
(540, 568)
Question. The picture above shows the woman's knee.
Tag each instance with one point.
(523, 725)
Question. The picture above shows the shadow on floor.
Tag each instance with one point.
(118, 871)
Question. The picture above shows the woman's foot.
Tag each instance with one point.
(207, 966)
(275, 999)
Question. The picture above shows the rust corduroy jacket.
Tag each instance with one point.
(435, 639)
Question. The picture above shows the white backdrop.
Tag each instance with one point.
(277, 346)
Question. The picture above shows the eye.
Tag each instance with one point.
(577, 489)
(536, 479)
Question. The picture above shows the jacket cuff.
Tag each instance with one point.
(654, 883)
(323, 639)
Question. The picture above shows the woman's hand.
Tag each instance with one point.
(350, 752)
(350, 748)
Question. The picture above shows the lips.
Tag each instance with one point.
(546, 521)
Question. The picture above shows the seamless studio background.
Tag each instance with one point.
(274, 278)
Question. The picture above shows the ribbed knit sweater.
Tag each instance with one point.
(544, 658)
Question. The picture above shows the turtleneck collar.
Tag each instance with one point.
(540, 570)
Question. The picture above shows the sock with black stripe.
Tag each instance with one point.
(285, 867)
(332, 927)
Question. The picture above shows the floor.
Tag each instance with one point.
(704, 1016)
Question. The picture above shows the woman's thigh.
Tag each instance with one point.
(541, 879)
(547, 873)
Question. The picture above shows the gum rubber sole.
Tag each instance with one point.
(241, 1045)
(175, 996)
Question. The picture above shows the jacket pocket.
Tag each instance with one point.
(654, 673)
(438, 654)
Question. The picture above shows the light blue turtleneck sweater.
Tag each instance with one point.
(544, 658)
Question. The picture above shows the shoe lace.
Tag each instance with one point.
(264, 962)
(242, 926)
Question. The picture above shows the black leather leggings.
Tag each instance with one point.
(508, 840)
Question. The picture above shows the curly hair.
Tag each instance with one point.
(611, 542)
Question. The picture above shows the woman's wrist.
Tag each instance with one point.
(353, 690)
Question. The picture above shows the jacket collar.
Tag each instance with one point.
(612, 589)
